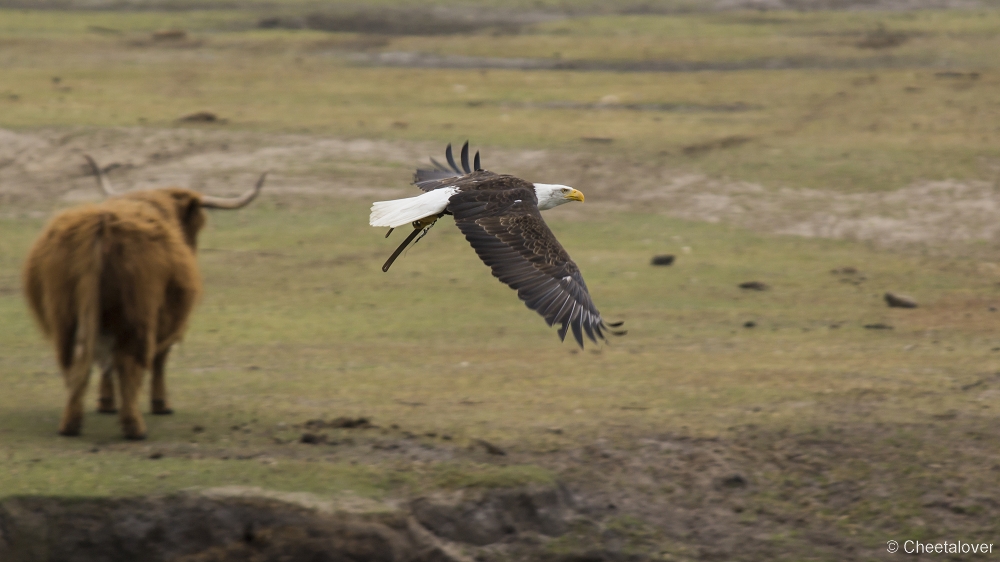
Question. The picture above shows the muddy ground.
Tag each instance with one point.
(747, 495)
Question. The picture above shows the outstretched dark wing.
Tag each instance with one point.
(506, 229)
(443, 176)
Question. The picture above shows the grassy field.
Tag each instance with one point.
(847, 435)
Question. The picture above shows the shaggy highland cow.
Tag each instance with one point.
(115, 283)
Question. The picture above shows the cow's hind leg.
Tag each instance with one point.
(106, 403)
(76, 383)
(130, 374)
(158, 387)
(76, 354)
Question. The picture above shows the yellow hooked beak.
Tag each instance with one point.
(575, 195)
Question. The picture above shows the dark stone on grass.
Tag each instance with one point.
(665, 259)
(733, 481)
(201, 117)
(312, 438)
(900, 301)
(156, 456)
(169, 35)
(754, 286)
(491, 448)
(878, 326)
(351, 423)
(749, 324)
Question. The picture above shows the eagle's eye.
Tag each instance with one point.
(565, 190)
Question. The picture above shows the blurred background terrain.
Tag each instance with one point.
(827, 151)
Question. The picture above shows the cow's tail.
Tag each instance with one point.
(77, 362)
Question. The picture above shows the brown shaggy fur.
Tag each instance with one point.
(115, 283)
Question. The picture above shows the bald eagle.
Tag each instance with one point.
(500, 216)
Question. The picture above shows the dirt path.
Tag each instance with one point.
(39, 167)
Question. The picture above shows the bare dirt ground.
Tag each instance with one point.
(38, 168)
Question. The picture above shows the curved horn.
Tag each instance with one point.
(101, 180)
(210, 202)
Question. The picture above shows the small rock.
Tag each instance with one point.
(351, 423)
(169, 35)
(201, 117)
(754, 286)
(900, 301)
(665, 259)
(312, 439)
(491, 448)
(749, 324)
(878, 326)
(156, 455)
(733, 481)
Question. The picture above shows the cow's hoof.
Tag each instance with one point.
(70, 432)
(106, 406)
(134, 429)
(160, 408)
(103, 410)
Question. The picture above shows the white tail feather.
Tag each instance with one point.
(398, 212)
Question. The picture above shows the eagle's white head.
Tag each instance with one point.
(552, 195)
